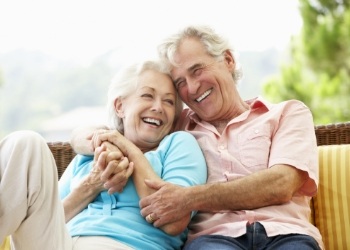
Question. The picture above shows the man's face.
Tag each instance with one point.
(205, 84)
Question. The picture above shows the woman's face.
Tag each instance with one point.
(148, 113)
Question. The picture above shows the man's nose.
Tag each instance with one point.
(193, 86)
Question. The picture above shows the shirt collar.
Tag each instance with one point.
(254, 103)
(258, 102)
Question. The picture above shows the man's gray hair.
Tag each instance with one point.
(215, 44)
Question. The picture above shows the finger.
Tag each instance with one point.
(96, 142)
(100, 157)
(108, 172)
(146, 205)
(96, 139)
(154, 184)
(116, 187)
(114, 166)
(159, 222)
(110, 137)
(118, 178)
(150, 218)
(117, 182)
(116, 155)
(123, 164)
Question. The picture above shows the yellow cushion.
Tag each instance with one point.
(6, 244)
(332, 203)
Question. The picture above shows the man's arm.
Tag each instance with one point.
(82, 139)
(272, 186)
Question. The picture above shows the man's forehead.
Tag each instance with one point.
(188, 63)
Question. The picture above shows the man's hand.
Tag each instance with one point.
(82, 139)
(94, 138)
(115, 168)
(168, 204)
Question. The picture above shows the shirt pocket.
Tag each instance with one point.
(254, 147)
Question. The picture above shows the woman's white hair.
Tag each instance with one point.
(125, 82)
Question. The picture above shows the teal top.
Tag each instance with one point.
(178, 160)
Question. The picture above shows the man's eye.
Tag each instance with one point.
(198, 71)
(180, 84)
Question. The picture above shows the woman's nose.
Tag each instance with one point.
(157, 106)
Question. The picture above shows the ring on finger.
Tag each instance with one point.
(150, 218)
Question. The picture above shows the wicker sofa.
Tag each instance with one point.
(330, 208)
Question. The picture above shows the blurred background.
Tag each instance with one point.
(57, 57)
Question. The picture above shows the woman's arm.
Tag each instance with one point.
(82, 195)
(91, 185)
(142, 171)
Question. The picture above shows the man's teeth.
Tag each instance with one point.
(153, 121)
(205, 94)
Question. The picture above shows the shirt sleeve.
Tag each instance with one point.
(294, 143)
(184, 163)
(75, 166)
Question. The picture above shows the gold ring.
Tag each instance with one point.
(149, 218)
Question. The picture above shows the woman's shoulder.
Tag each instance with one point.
(181, 135)
(80, 161)
(177, 139)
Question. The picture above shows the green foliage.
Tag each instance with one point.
(319, 74)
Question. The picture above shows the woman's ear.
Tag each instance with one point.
(118, 106)
(229, 59)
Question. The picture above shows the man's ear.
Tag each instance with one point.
(118, 106)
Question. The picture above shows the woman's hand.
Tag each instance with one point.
(82, 194)
(115, 169)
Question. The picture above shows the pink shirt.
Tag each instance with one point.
(265, 135)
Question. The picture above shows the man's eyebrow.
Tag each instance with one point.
(190, 69)
(194, 66)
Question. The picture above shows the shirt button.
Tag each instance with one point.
(256, 131)
(222, 147)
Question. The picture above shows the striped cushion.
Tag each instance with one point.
(6, 244)
(332, 203)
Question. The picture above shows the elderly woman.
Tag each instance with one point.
(143, 107)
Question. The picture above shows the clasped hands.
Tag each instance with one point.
(114, 169)
(110, 167)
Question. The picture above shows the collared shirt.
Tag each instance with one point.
(263, 136)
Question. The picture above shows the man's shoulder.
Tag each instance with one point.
(184, 119)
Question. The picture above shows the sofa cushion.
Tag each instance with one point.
(6, 244)
(332, 202)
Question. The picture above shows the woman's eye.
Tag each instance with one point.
(146, 95)
(171, 102)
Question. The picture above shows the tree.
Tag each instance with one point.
(319, 71)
